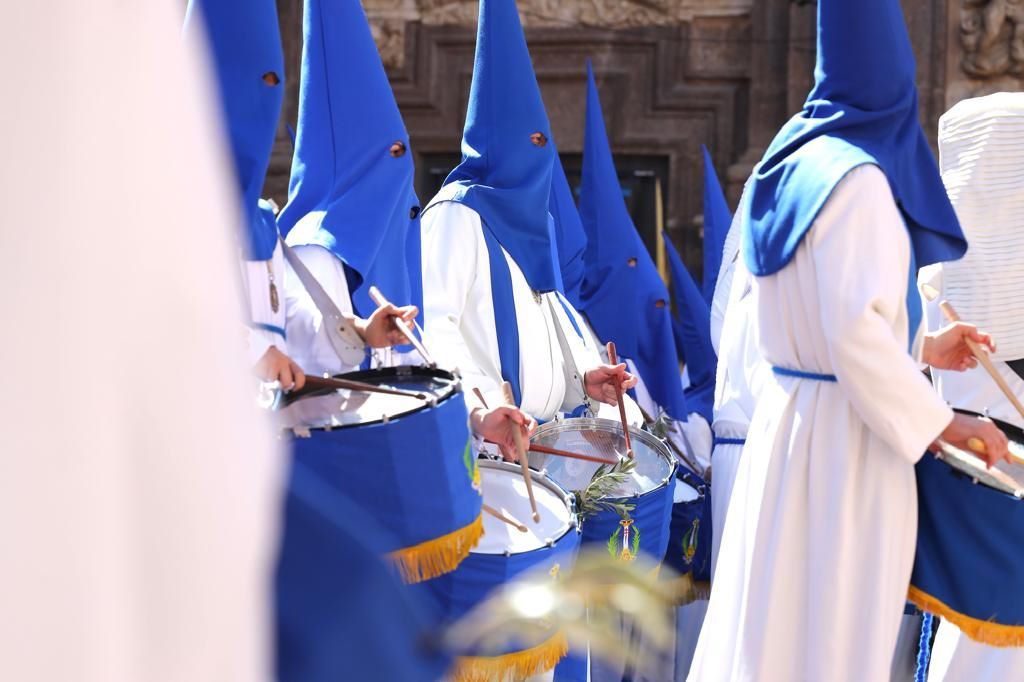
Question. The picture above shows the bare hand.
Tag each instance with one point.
(600, 382)
(964, 427)
(276, 366)
(948, 349)
(497, 426)
(381, 330)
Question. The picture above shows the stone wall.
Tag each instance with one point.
(674, 74)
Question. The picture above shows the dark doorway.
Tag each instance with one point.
(639, 176)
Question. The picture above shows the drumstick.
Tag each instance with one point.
(316, 383)
(545, 450)
(984, 359)
(613, 359)
(501, 516)
(978, 446)
(524, 462)
(480, 397)
(403, 327)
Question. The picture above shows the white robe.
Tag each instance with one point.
(266, 326)
(139, 490)
(459, 324)
(307, 337)
(955, 656)
(742, 374)
(819, 541)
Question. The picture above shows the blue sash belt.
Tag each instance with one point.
(728, 441)
(800, 374)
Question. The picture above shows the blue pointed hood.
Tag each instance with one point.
(570, 237)
(717, 219)
(622, 294)
(351, 187)
(694, 317)
(505, 173)
(245, 43)
(862, 110)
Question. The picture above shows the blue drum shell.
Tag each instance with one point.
(454, 594)
(969, 562)
(689, 544)
(651, 516)
(412, 474)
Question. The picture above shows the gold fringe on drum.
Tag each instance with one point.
(515, 666)
(438, 556)
(983, 631)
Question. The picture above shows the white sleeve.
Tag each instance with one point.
(862, 274)
(456, 275)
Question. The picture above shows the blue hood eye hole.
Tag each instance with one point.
(539, 139)
(660, 303)
(270, 78)
(413, 212)
(631, 262)
(397, 149)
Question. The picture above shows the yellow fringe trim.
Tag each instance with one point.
(986, 632)
(438, 556)
(515, 666)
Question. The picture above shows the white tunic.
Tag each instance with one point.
(459, 324)
(742, 374)
(308, 344)
(266, 326)
(819, 541)
(139, 491)
(955, 656)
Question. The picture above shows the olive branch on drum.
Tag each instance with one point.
(606, 479)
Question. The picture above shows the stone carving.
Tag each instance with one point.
(389, 34)
(992, 35)
(388, 17)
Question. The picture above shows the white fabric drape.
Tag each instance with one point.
(813, 571)
(138, 486)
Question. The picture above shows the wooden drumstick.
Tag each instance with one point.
(480, 396)
(613, 359)
(507, 518)
(977, 446)
(315, 383)
(982, 355)
(545, 450)
(524, 462)
(403, 327)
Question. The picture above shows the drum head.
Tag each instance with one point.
(339, 409)
(602, 438)
(1004, 477)
(505, 490)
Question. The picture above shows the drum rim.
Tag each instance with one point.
(1012, 432)
(540, 478)
(635, 433)
(398, 371)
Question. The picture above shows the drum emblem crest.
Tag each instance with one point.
(554, 571)
(624, 543)
(471, 466)
(690, 542)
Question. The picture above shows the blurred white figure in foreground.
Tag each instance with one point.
(137, 487)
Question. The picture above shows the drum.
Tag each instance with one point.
(689, 543)
(505, 552)
(970, 542)
(407, 461)
(649, 488)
